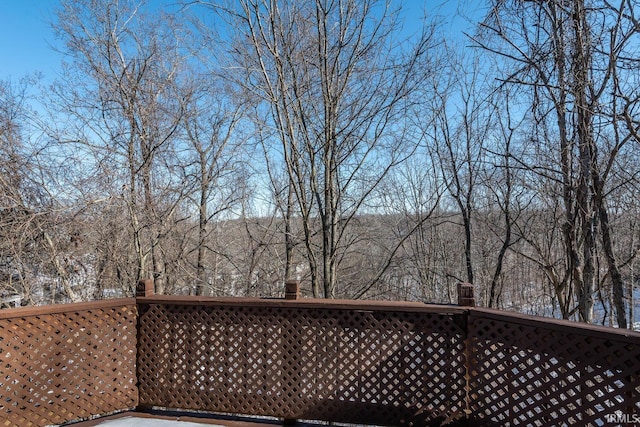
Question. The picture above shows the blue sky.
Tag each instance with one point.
(26, 37)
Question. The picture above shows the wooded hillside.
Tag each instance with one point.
(221, 148)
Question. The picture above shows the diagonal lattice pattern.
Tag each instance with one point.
(58, 366)
(364, 366)
(544, 372)
(369, 363)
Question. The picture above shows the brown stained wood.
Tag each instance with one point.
(67, 362)
(535, 371)
(305, 303)
(368, 362)
(321, 362)
(63, 308)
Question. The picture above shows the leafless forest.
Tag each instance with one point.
(223, 147)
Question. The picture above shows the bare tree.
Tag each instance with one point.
(464, 120)
(121, 92)
(210, 126)
(37, 226)
(17, 196)
(337, 84)
(571, 56)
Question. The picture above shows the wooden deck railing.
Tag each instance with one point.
(535, 371)
(66, 362)
(371, 363)
(364, 362)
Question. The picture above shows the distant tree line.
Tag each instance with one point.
(222, 148)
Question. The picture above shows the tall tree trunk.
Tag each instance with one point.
(586, 149)
(288, 235)
(202, 231)
(564, 288)
(617, 282)
(494, 292)
(152, 221)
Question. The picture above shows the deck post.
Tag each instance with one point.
(465, 295)
(292, 290)
(145, 288)
(466, 299)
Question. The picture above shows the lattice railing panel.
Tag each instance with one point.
(380, 364)
(542, 373)
(61, 366)
(376, 367)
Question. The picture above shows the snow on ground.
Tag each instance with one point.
(148, 422)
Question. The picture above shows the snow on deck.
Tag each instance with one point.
(149, 422)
